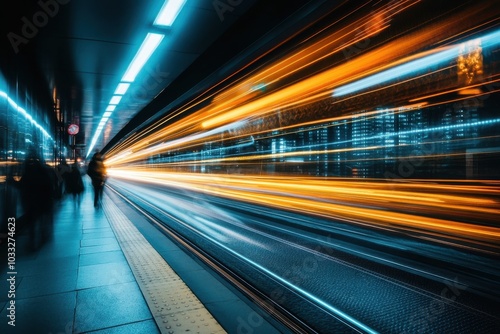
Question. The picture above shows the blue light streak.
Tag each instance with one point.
(347, 319)
(413, 67)
(307, 148)
(398, 72)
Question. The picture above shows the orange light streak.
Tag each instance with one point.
(465, 210)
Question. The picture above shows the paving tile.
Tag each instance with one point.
(87, 231)
(104, 274)
(47, 284)
(46, 314)
(99, 249)
(47, 265)
(98, 233)
(100, 258)
(98, 242)
(148, 326)
(109, 306)
(59, 249)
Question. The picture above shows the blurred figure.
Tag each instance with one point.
(37, 196)
(97, 172)
(62, 170)
(74, 183)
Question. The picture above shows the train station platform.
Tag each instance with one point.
(106, 270)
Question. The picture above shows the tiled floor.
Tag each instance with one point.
(76, 282)
(79, 280)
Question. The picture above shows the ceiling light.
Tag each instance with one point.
(111, 108)
(107, 114)
(122, 88)
(169, 12)
(147, 48)
(115, 99)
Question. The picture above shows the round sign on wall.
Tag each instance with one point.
(73, 129)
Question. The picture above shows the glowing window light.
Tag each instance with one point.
(146, 49)
(25, 114)
(111, 108)
(115, 99)
(168, 12)
(122, 88)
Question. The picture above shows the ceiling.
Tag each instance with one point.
(75, 53)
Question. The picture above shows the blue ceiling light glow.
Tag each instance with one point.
(414, 66)
(122, 88)
(168, 12)
(25, 114)
(115, 99)
(166, 17)
(147, 48)
(107, 114)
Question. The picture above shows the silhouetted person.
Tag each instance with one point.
(97, 172)
(61, 171)
(74, 183)
(37, 196)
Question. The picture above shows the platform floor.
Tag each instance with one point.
(83, 279)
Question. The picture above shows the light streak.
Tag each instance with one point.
(375, 203)
(414, 74)
(401, 71)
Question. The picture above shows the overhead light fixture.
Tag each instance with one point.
(166, 18)
(115, 99)
(168, 12)
(122, 88)
(147, 48)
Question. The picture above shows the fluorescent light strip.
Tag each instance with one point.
(122, 88)
(115, 99)
(147, 48)
(107, 114)
(166, 17)
(168, 12)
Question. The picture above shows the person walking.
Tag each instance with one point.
(97, 172)
(74, 183)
